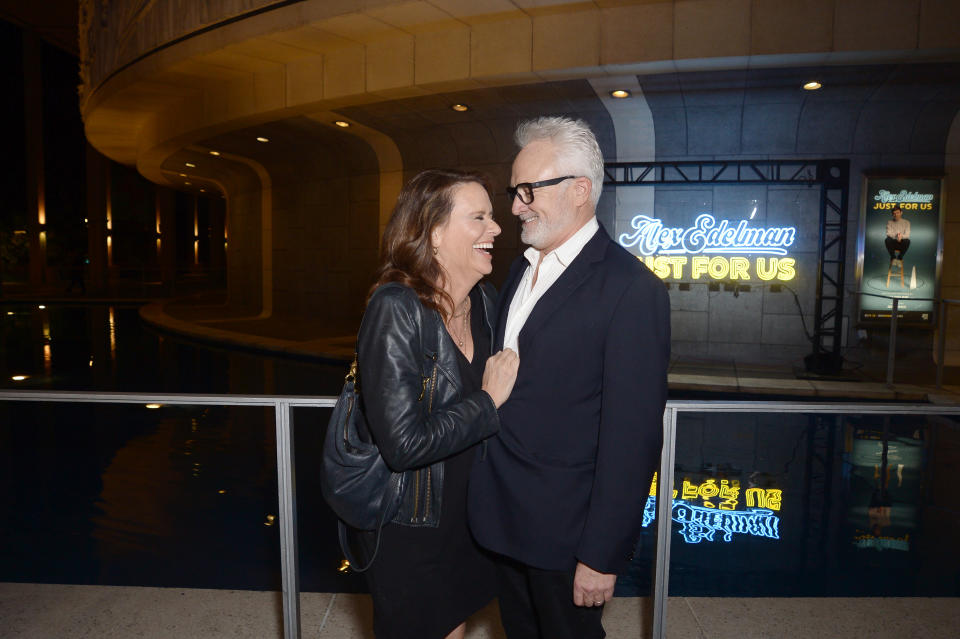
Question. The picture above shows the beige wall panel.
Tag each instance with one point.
(314, 10)
(309, 39)
(359, 27)
(232, 57)
(305, 81)
(711, 28)
(344, 72)
(241, 98)
(205, 71)
(870, 25)
(939, 24)
(564, 40)
(442, 56)
(272, 50)
(214, 104)
(270, 90)
(501, 47)
(636, 33)
(390, 63)
(791, 26)
(183, 81)
(469, 8)
(409, 16)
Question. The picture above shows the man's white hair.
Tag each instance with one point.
(577, 150)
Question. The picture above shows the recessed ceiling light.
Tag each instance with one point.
(187, 183)
(203, 190)
(342, 124)
(190, 164)
(214, 152)
(262, 139)
(182, 174)
(620, 94)
(460, 107)
(153, 406)
(41, 307)
(20, 378)
(813, 85)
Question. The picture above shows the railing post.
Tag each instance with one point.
(892, 346)
(941, 341)
(287, 493)
(661, 571)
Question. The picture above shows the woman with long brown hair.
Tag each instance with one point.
(430, 389)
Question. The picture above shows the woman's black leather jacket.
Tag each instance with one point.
(410, 390)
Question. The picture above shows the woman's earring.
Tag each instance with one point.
(435, 251)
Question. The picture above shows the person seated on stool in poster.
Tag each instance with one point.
(898, 235)
(897, 241)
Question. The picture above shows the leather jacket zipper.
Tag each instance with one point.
(416, 478)
(416, 496)
(433, 385)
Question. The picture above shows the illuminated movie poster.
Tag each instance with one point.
(900, 226)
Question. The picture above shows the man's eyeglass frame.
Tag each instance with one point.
(528, 187)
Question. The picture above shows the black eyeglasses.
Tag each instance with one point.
(525, 189)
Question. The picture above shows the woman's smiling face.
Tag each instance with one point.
(464, 242)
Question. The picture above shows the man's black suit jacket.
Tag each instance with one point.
(566, 478)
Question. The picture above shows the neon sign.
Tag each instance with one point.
(698, 523)
(715, 510)
(721, 268)
(651, 237)
(695, 252)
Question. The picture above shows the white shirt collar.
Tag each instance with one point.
(570, 249)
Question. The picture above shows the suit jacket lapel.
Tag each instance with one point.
(506, 296)
(574, 275)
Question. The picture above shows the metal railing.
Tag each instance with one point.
(667, 461)
(286, 488)
(941, 331)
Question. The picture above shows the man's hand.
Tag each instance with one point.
(592, 588)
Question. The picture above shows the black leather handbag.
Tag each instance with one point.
(355, 481)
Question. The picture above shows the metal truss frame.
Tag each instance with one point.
(832, 177)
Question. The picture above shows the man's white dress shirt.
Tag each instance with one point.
(551, 268)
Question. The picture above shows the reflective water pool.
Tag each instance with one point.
(773, 504)
(765, 504)
(167, 496)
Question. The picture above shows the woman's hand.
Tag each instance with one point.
(499, 375)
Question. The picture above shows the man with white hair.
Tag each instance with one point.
(560, 491)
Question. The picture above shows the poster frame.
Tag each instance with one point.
(931, 322)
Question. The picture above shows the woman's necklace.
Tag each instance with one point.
(465, 313)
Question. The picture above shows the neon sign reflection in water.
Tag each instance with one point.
(651, 237)
(698, 523)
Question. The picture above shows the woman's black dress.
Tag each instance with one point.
(426, 581)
